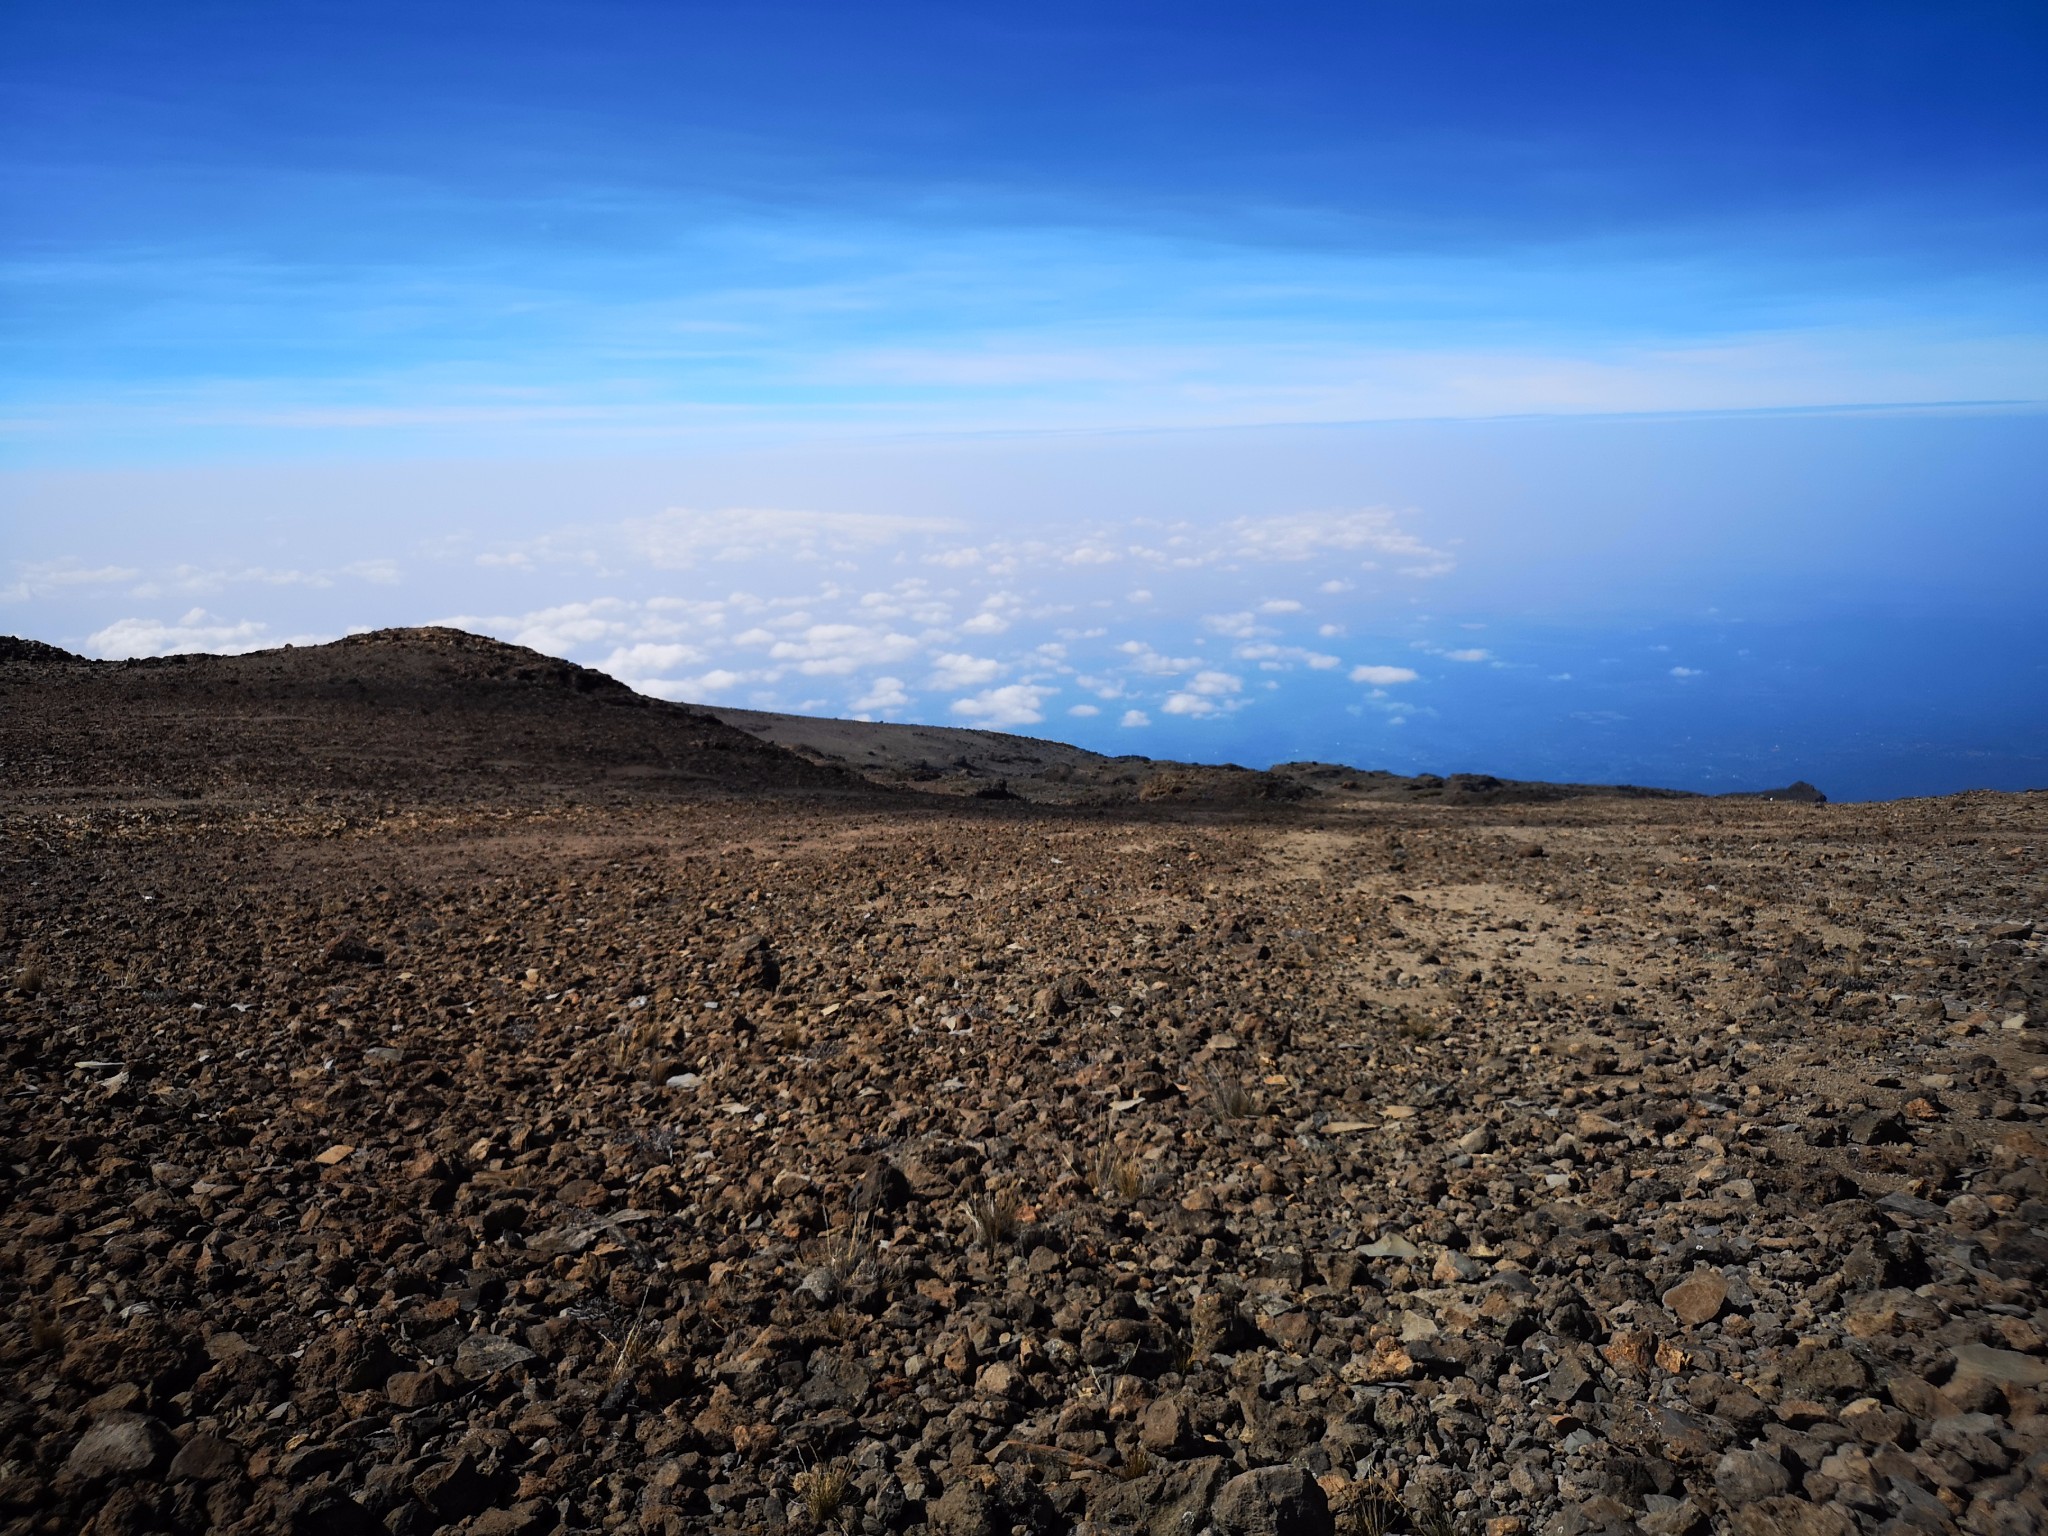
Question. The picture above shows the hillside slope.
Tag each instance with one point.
(426, 712)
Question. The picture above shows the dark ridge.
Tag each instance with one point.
(432, 712)
(1799, 791)
(14, 649)
(958, 760)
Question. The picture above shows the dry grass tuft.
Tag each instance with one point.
(631, 1350)
(30, 980)
(1230, 1099)
(1379, 1513)
(636, 1037)
(848, 1247)
(992, 1217)
(1114, 1176)
(1136, 1465)
(1375, 1515)
(824, 1491)
(46, 1331)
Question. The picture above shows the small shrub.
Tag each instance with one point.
(1415, 1027)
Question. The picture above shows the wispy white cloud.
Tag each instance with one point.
(1382, 677)
(47, 577)
(1236, 625)
(51, 578)
(681, 538)
(1147, 660)
(1308, 535)
(1282, 658)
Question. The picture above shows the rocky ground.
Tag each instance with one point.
(509, 1158)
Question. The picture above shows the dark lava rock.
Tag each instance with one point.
(119, 1445)
(1168, 1503)
(205, 1459)
(1273, 1501)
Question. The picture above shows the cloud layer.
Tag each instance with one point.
(919, 617)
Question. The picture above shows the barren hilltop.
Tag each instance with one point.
(448, 1091)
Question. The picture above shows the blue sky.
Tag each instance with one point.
(879, 357)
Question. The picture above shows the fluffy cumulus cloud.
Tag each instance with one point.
(835, 650)
(1206, 693)
(885, 693)
(196, 630)
(561, 630)
(1382, 677)
(633, 664)
(954, 670)
(1015, 704)
(1134, 719)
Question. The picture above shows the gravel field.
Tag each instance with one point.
(443, 1099)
